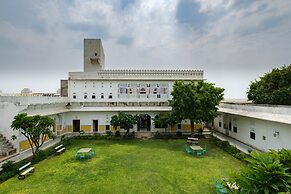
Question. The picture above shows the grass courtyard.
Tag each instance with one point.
(133, 166)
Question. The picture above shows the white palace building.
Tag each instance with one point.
(89, 99)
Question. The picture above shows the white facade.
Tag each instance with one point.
(261, 126)
(98, 93)
(95, 95)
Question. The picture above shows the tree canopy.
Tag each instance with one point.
(125, 121)
(35, 128)
(196, 101)
(164, 119)
(272, 88)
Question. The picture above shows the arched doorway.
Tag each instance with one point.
(144, 123)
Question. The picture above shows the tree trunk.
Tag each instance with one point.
(192, 128)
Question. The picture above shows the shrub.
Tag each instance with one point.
(284, 156)
(9, 166)
(41, 155)
(264, 174)
(232, 150)
(240, 156)
(109, 133)
(6, 175)
(179, 133)
(225, 145)
(65, 140)
(117, 133)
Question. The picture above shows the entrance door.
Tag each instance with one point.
(229, 126)
(76, 125)
(144, 123)
(95, 125)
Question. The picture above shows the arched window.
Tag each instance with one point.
(142, 91)
(110, 96)
(93, 96)
(102, 95)
(74, 95)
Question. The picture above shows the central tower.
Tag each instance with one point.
(94, 58)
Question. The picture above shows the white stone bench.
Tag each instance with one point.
(58, 147)
(61, 150)
(192, 140)
(22, 175)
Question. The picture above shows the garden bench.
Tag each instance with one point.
(27, 169)
(188, 149)
(219, 188)
(59, 149)
(192, 141)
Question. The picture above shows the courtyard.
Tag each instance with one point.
(128, 166)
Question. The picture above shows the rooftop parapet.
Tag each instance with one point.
(139, 75)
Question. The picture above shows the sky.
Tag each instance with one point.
(233, 41)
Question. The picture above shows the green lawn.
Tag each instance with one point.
(150, 166)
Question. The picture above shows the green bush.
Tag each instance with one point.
(117, 133)
(264, 174)
(9, 166)
(240, 156)
(232, 150)
(65, 140)
(6, 175)
(225, 145)
(41, 155)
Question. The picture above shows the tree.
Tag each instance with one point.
(125, 121)
(196, 101)
(35, 128)
(272, 88)
(115, 121)
(164, 119)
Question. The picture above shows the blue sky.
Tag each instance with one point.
(233, 41)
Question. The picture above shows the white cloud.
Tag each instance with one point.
(235, 45)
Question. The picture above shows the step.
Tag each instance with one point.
(8, 152)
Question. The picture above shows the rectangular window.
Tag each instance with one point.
(85, 96)
(179, 126)
(219, 124)
(74, 96)
(235, 129)
(107, 127)
(93, 96)
(252, 135)
(158, 96)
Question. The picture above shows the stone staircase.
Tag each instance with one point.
(144, 134)
(6, 148)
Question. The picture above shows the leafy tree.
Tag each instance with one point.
(35, 128)
(264, 174)
(196, 101)
(115, 121)
(164, 119)
(125, 121)
(272, 88)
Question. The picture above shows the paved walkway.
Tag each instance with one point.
(239, 145)
(27, 153)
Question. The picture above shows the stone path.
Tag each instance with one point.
(239, 145)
